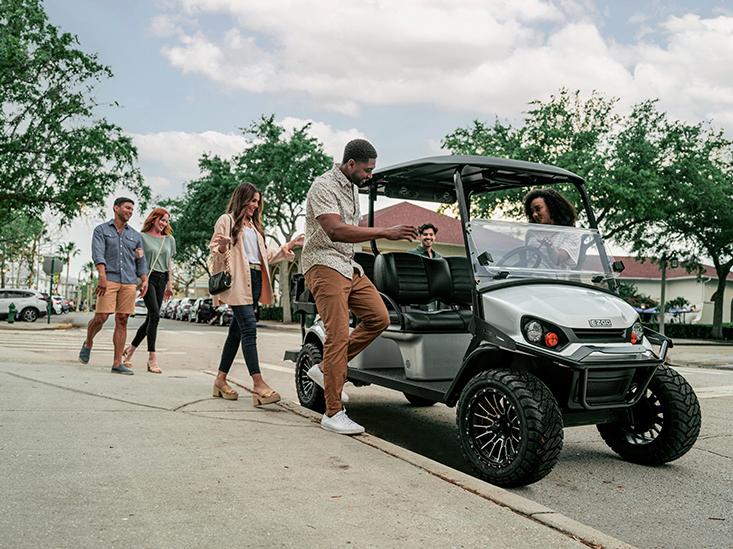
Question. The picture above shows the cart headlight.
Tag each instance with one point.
(533, 331)
(637, 333)
(543, 334)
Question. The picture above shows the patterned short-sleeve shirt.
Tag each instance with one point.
(330, 193)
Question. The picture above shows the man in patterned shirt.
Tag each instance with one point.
(336, 281)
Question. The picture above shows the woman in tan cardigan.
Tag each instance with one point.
(239, 234)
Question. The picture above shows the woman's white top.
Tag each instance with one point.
(251, 249)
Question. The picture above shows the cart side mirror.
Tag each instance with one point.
(618, 266)
(485, 259)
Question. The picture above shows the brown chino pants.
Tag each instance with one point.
(335, 295)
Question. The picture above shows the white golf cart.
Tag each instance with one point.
(522, 345)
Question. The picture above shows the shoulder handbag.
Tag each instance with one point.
(222, 280)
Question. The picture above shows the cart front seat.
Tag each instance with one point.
(410, 279)
(366, 260)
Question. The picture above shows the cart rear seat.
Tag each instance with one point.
(410, 279)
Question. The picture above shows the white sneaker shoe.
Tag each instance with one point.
(341, 424)
(315, 373)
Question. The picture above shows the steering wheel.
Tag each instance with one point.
(524, 256)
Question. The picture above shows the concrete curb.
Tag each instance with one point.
(33, 327)
(518, 504)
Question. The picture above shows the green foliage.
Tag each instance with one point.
(630, 293)
(19, 244)
(281, 165)
(695, 331)
(676, 303)
(53, 152)
(656, 184)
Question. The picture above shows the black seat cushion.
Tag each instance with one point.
(461, 280)
(437, 321)
(366, 260)
(411, 279)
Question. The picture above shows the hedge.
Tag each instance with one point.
(692, 331)
(268, 312)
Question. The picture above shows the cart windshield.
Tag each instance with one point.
(503, 250)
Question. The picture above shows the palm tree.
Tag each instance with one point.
(68, 251)
(91, 269)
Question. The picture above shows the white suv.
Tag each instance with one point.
(29, 304)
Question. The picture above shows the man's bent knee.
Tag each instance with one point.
(100, 318)
(121, 318)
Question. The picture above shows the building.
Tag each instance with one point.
(646, 276)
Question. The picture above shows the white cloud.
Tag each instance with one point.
(473, 55)
(168, 159)
(333, 140)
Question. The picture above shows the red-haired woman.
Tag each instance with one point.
(160, 247)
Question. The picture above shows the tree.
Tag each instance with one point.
(20, 241)
(281, 164)
(656, 185)
(68, 251)
(53, 152)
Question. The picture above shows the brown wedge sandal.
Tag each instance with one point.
(153, 368)
(225, 392)
(268, 398)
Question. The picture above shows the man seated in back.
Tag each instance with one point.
(427, 234)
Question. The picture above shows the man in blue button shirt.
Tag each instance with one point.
(117, 251)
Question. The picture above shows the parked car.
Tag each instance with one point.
(169, 308)
(29, 304)
(202, 310)
(59, 305)
(223, 315)
(184, 306)
(140, 308)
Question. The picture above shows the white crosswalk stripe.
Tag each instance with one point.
(58, 341)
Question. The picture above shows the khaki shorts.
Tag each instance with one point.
(119, 298)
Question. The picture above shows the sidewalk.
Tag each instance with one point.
(91, 459)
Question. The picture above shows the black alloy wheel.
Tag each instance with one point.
(310, 395)
(662, 426)
(29, 314)
(509, 427)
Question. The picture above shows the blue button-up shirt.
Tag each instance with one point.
(117, 252)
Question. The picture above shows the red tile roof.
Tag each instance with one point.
(634, 268)
(449, 228)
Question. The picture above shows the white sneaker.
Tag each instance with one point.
(341, 424)
(315, 373)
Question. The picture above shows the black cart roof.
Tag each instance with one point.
(432, 178)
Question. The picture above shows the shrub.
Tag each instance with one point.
(692, 331)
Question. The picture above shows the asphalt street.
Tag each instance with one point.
(687, 503)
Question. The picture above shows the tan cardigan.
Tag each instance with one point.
(240, 292)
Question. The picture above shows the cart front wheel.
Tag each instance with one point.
(662, 426)
(310, 395)
(509, 427)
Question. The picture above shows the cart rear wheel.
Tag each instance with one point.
(419, 401)
(662, 426)
(509, 427)
(310, 395)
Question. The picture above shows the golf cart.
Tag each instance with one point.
(521, 345)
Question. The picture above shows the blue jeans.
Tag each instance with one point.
(243, 331)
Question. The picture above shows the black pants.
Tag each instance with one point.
(153, 300)
(243, 331)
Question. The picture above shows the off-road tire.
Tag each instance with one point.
(528, 419)
(310, 395)
(29, 314)
(669, 421)
(419, 401)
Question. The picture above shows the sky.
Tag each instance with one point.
(189, 74)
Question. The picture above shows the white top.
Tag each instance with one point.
(251, 249)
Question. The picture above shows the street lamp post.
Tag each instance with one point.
(662, 300)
